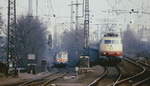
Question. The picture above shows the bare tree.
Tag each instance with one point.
(130, 42)
(133, 45)
(1, 22)
(2, 41)
(30, 38)
(73, 42)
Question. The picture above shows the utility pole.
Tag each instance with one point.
(77, 8)
(86, 27)
(37, 6)
(83, 8)
(77, 14)
(11, 37)
(84, 62)
(86, 33)
(30, 10)
(1, 22)
(72, 16)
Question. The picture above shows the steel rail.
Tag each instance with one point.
(144, 64)
(53, 79)
(93, 83)
(28, 82)
(119, 77)
(141, 82)
(146, 79)
(135, 76)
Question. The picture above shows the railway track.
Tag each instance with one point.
(50, 80)
(146, 76)
(99, 78)
(142, 63)
(44, 81)
(104, 77)
(119, 77)
(137, 79)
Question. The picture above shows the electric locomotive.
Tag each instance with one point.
(111, 49)
(61, 59)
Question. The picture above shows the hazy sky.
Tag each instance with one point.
(62, 8)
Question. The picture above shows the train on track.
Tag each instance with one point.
(61, 59)
(111, 49)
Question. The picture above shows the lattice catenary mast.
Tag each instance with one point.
(11, 47)
(86, 26)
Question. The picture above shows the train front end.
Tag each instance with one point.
(111, 48)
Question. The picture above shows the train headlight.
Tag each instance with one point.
(104, 53)
(118, 52)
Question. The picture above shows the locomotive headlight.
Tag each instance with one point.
(117, 52)
(104, 53)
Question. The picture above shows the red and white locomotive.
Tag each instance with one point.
(61, 59)
(111, 47)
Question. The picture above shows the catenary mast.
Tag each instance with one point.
(11, 40)
(86, 26)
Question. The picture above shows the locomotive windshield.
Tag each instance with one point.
(107, 41)
(111, 41)
(115, 41)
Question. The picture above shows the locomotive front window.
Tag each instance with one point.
(115, 41)
(111, 41)
(107, 41)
